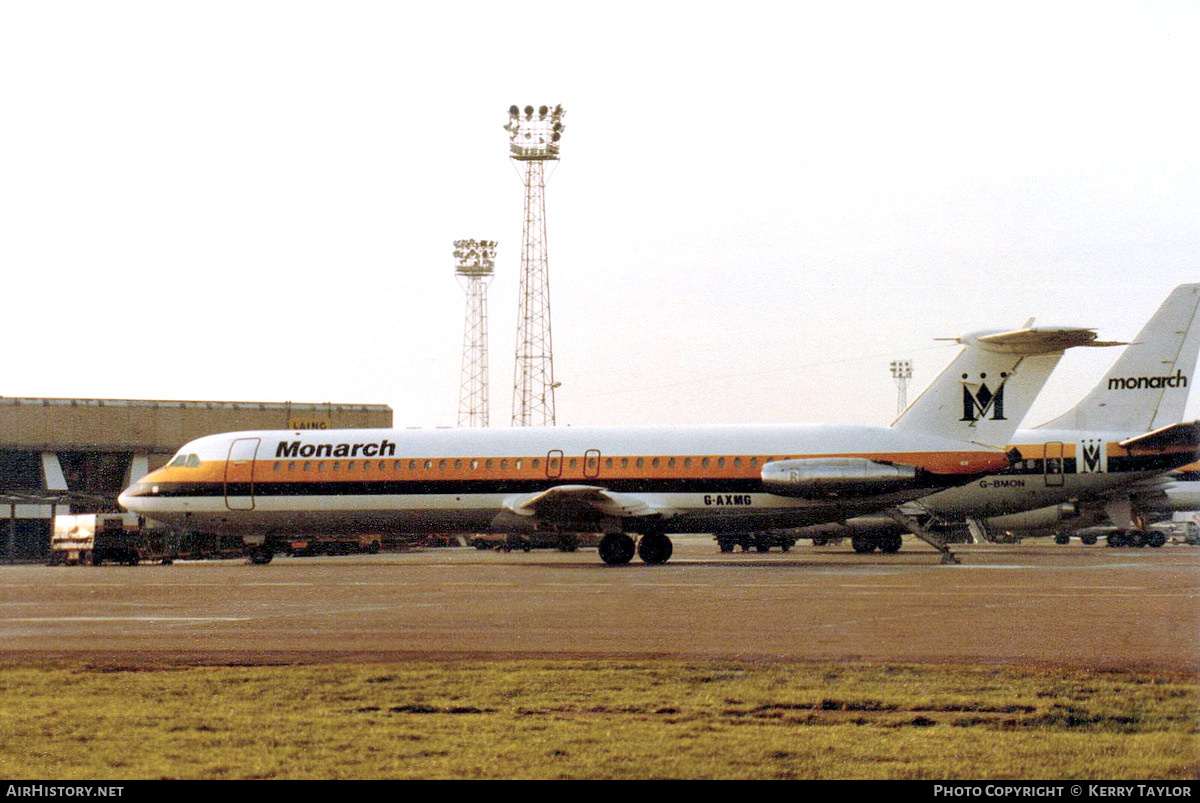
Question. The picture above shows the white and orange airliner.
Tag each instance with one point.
(267, 486)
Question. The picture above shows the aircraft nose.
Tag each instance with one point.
(130, 498)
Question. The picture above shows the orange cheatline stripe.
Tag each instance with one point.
(715, 467)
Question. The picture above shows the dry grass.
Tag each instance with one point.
(577, 719)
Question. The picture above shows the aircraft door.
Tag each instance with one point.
(1053, 464)
(239, 474)
(591, 463)
(554, 466)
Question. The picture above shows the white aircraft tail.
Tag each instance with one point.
(1148, 386)
(988, 388)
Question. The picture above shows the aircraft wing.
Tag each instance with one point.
(570, 502)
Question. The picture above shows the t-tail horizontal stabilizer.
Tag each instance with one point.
(989, 387)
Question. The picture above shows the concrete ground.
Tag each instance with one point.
(1032, 604)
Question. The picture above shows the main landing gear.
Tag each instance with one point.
(888, 543)
(1137, 538)
(617, 549)
(261, 554)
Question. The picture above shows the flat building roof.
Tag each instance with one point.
(156, 426)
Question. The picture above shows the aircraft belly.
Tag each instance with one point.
(1002, 494)
(278, 515)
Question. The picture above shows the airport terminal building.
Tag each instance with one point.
(76, 455)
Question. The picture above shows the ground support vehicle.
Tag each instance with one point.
(72, 540)
(101, 538)
(760, 542)
(336, 545)
(508, 542)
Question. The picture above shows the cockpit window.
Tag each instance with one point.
(185, 461)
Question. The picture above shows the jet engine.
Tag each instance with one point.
(836, 476)
(1034, 519)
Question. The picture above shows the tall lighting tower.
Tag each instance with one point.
(474, 262)
(533, 141)
(901, 372)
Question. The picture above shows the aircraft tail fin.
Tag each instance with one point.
(988, 388)
(1147, 387)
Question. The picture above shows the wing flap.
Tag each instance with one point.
(568, 501)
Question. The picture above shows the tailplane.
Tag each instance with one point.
(984, 393)
(1148, 386)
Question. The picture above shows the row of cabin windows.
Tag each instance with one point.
(518, 463)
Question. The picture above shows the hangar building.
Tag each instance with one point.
(77, 455)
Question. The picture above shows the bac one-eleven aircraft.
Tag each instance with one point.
(269, 485)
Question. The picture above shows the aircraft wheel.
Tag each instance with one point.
(1062, 539)
(1137, 538)
(819, 542)
(1156, 539)
(1088, 539)
(655, 549)
(261, 555)
(862, 545)
(891, 544)
(616, 549)
(1116, 538)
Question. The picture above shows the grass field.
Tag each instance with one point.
(580, 719)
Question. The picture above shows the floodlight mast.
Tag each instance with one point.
(534, 140)
(901, 372)
(474, 262)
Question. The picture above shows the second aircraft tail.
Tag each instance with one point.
(1148, 385)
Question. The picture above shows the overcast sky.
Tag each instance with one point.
(758, 206)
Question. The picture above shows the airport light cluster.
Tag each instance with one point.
(901, 372)
(475, 257)
(474, 264)
(534, 134)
